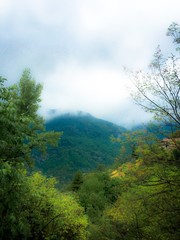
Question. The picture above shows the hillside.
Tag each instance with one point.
(85, 144)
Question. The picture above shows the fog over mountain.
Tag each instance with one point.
(78, 49)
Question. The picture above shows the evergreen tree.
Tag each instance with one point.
(77, 181)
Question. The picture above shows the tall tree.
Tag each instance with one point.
(22, 129)
(158, 91)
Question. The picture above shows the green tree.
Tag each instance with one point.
(174, 31)
(22, 129)
(77, 181)
(92, 198)
(51, 214)
(21, 132)
(34, 209)
(96, 193)
(148, 207)
(158, 91)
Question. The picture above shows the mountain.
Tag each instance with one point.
(159, 129)
(85, 144)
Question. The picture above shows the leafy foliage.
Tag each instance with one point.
(55, 215)
(158, 91)
(148, 203)
(34, 209)
(21, 127)
(98, 191)
(30, 206)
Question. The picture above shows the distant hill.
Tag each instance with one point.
(85, 144)
(161, 130)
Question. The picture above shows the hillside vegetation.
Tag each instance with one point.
(84, 145)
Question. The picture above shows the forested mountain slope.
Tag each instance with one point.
(85, 144)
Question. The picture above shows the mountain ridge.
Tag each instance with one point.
(85, 144)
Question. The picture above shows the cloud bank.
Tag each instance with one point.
(77, 50)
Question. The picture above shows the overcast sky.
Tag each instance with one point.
(77, 49)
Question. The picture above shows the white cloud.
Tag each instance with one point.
(84, 87)
(77, 48)
(100, 89)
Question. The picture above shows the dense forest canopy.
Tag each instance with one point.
(84, 145)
